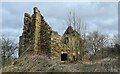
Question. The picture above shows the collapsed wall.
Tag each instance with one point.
(56, 45)
(27, 38)
(39, 38)
(36, 36)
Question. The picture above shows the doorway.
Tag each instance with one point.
(64, 57)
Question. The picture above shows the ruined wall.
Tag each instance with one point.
(45, 39)
(27, 36)
(36, 36)
(72, 40)
(39, 38)
(37, 23)
(56, 45)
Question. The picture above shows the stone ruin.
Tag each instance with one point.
(39, 38)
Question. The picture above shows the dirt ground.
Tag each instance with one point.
(36, 63)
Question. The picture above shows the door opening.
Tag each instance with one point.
(64, 57)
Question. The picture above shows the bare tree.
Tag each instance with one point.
(115, 39)
(75, 21)
(116, 43)
(96, 41)
(8, 48)
(78, 25)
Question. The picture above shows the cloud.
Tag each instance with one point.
(100, 16)
(59, 27)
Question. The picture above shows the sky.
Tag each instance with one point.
(98, 16)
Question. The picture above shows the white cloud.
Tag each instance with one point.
(59, 27)
(100, 16)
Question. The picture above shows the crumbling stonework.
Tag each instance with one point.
(56, 45)
(37, 22)
(36, 34)
(39, 38)
(72, 40)
(27, 38)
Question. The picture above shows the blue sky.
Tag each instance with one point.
(98, 16)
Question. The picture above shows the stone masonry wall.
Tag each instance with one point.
(27, 36)
(37, 23)
(56, 45)
(45, 39)
(36, 36)
(39, 38)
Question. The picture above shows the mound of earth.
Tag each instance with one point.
(41, 63)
